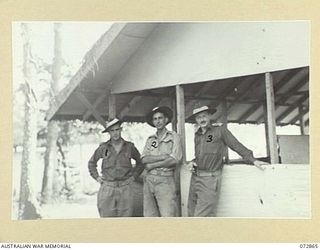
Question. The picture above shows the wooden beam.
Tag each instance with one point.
(171, 93)
(295, 88)
(252, 86)
(174, 118)
(126, 109)
(204, 89)
(111, 106)
(272, 136)
(180, 105)
(249, 112)
(88, 105)
(97, 102)
(287, 78)
(265, 112)
(291, 108)
(181, 117)
(284, 81)
(224, 112)
(96, 52)
(255, 82)
(302, 111)
(301, 118)
(292, 94)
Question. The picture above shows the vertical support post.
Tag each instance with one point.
(301, 120)
(271, 120)
(181, 118)
(174, 109)
(111, 106)
(180, 121)
(224, 120)
(265, 112)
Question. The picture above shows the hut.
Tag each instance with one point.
(252, 72)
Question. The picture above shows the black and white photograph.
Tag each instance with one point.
(161, 119)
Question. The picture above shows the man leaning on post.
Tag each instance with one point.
(115, 196)
(161, 154)
(211, 142)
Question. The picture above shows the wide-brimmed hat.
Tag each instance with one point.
(200, 109)
(164, 110)
(111, 123)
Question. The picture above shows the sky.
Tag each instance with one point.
(77, 38)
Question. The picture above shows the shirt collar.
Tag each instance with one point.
(109, 144)
(166, 133)
(209, 127)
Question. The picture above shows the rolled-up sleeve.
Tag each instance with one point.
(146, 149)
(176, 148)
(235, 145)
(92, 164)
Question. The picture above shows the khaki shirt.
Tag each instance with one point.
(211, 146)
(169, 144)
(115, 165)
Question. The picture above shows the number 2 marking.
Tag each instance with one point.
(210, 138)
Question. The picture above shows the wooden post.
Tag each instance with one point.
(174, 119)
(271, 120)
(224, 120)
(265, 114)
(111, 106)
(180, 120)
(301, 120)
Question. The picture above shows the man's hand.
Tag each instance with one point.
(100, 180)
(191, 165)
(260, 164)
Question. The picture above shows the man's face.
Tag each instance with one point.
(115, 132)
(159, 120)
(203, 119)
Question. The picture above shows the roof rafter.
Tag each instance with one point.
(290, 109)
(96, 104)
(89, 64)
(88, 105)
(297, 117)
(131, 103)
(201, 91)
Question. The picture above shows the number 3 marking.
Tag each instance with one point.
(209, 138)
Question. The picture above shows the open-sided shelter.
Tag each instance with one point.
(252, 72)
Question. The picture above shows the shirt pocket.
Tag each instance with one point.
(212, 145)
(165, 147)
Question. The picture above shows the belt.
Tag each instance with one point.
(161, 172)
(203, 173)
(118, 183)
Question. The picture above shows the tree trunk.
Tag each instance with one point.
(28, 206)
(50, 183)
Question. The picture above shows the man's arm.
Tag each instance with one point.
(146, 156)
(139, 165)
(172, 159)
(168, 162)
(238, 147)
(92, 164)
(154, 158)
